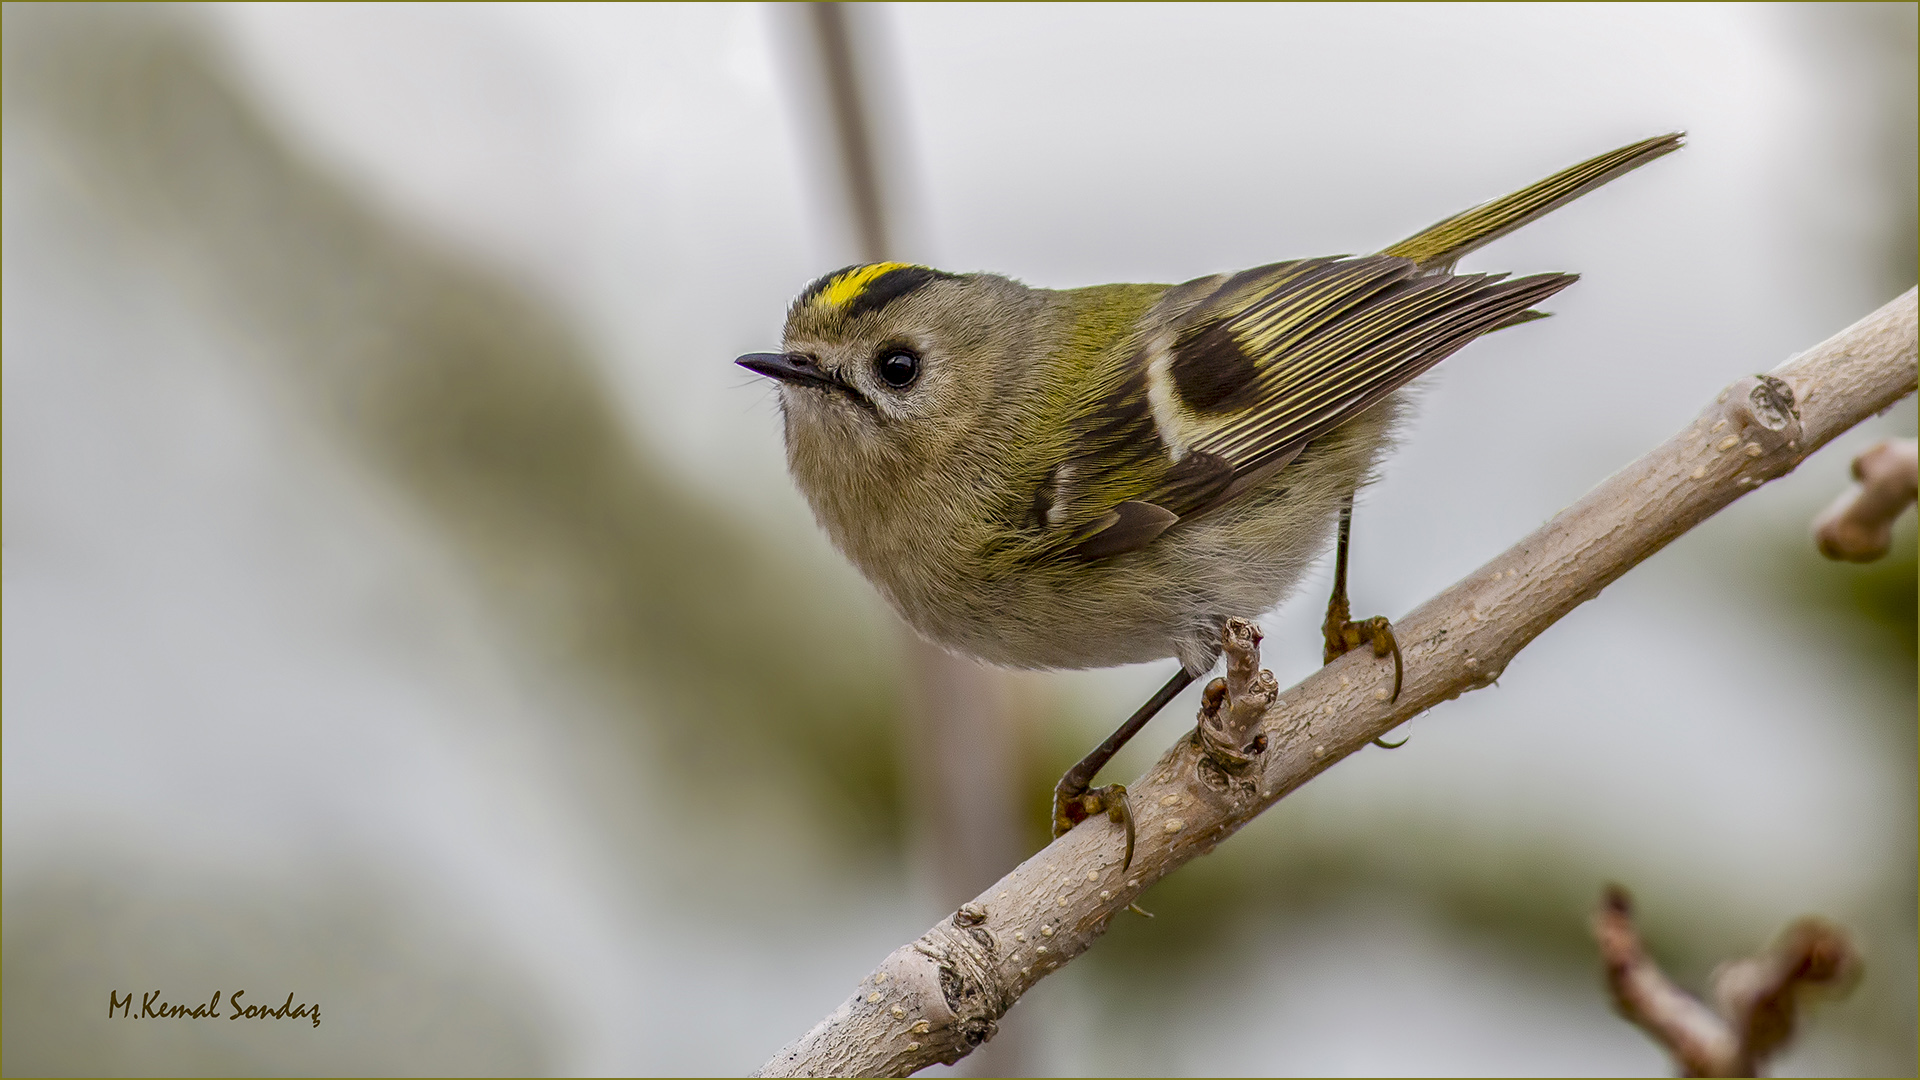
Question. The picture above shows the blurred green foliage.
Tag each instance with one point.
(752, 670)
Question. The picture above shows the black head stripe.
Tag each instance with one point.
(891, 286)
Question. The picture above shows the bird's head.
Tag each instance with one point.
(891, 372)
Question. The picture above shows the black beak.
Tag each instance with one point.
(789, 368)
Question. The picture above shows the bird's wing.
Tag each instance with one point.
(1234, 376)
(1238, 374)
(1440, 245)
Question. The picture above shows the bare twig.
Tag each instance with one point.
(961, 755)
(1858, 527)
(853, 125)
(936, 998)
(1755, 999)
(960, 744)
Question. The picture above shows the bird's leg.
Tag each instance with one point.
(1340, 630)
(1074, 801)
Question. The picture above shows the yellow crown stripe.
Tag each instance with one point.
(847, 288)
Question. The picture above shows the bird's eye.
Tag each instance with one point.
(898, 368)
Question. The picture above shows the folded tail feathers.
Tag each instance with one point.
(1439, 245)
(1526, 316)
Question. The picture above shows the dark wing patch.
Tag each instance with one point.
(1265, 362)
(1210, 369)
(1127, 527)
(1331, 338)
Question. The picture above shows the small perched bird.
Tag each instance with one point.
(1087, 477)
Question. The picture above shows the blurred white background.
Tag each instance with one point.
(405, 604)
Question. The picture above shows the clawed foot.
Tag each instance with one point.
(1344, 634)
(1230, 715)
(1341, 632)
(1075, 799)
(1071, 807)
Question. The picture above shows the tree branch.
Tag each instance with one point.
(1858, 527)
(936, 998)
(1756, 998)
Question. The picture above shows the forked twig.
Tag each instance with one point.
(1756, 1000)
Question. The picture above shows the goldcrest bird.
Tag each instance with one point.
(1088, 477)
